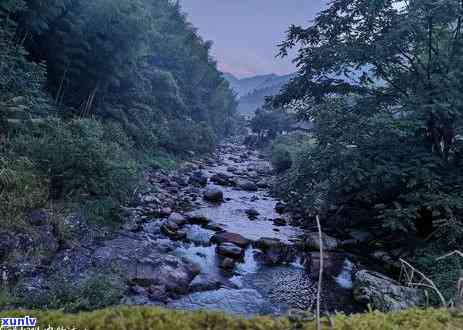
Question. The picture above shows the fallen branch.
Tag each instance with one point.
(410, 272)
(456, 252)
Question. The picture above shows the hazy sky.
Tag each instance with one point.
(246, 32)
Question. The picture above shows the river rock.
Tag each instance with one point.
(242, 302)
(223, 179)
(227, 264)
(383, 293)
(232, 169)
(180, 180)
(333, 263)
(158, 293)
(247, 185)
(214, 195)
(198, 178)
(230, 250)
(197, 219)
(172, 272)
(177, 218)
(153, 228)
(149, 199)
(262, 184)
(279, 222)
(205, 282)
(227, 237)
(214, 227)
(280, 207)
(172, 230)
(274, 251)
(252, 213)
(312, 242)
(163, 212)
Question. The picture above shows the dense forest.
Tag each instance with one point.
(93, 91)
(386, 152)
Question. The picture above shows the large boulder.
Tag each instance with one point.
(227, 237)
(243, 302)
(312, 242)
(383, 293)
(214, 195)
(274, 251)
(173, 273)
(333, 263)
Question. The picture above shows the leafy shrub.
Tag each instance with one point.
(21, 189)
(287, 148)
(77, 159)
(281, 158)
(185, 136)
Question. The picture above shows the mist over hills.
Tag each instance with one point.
(251, 91)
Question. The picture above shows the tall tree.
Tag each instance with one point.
(405, 53)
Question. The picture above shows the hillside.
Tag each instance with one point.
(251, 91)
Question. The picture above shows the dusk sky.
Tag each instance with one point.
(246, 32)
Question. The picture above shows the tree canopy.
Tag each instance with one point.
(382, 81)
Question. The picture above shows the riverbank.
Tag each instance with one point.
(208, 235)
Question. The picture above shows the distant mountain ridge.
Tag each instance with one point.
(251, 91)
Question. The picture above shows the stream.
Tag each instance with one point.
(178, 250)
(254, 287)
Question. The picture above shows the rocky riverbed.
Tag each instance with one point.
(205, 236)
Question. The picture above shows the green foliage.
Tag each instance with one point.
(381, 81)
(96, 291)
(21, 82)
(445, 272)
(77, 158)
(139, 63)
(21, 189)
(181, 137)
(281, 158)
(126, 84)
(270, 123)
(146, 318)
(387, 113)
(287, 149)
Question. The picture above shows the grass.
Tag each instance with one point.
(146, 318)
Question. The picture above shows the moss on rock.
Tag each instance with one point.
(146, 318)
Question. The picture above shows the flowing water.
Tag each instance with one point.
(253, 287)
